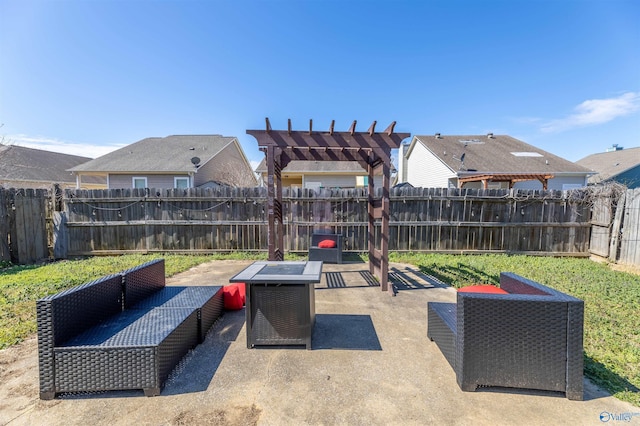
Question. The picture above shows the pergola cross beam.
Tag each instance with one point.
(370, 149)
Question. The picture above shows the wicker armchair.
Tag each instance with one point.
(327, 255)
(530, 338)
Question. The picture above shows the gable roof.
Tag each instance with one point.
(311, 167)
(18, 163)
(610, 164)
(159, 155)
(494, 154)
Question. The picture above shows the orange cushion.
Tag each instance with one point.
(482, 288)
(327, 244)
(232, 297)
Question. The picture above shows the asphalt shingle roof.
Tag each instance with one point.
(168, 154)
(28, 164)
(609, 164)
(483, 154)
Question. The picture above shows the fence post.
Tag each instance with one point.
(615, 230)
(5, 211)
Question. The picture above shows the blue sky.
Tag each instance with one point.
(87, 77)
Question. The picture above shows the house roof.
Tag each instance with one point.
(18, 163)
(610, 164)
(494, 155)
(333, 167)
(159, 155)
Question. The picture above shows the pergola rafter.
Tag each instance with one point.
(370, 149)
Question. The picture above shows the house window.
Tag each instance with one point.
(362, 180)
(139, 182)
(316, 186)
(181, 182)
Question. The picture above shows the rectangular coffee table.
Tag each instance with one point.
(280, 305)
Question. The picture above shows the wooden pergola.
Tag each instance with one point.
(512, 178)
(370, 149)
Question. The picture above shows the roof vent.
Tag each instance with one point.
(438, 136)
(526, 154)
(490, 135)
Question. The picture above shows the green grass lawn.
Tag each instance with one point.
(612, 299)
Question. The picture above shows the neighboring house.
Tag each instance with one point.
(616, 165)
(181, 161)
(22, 167)
(488, 161)
(323, 174)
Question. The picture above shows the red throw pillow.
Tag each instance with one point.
(482, 288)
(232, 297)
(242, 288)
(327, 244)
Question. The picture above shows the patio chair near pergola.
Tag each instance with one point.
(370, 149)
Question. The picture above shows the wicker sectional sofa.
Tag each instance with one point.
(122, 331)
(530, 338)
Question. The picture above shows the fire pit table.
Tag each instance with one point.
(280, 305)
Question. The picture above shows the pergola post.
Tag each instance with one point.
(374, 264)
(370, 149)
(275, 237)
(271, 190)
(384, 231)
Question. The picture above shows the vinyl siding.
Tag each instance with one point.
(338, 181)
(124, 181)
(227, 167)
(630, 178)
(402, 163)
(423, 169)
(555, 183)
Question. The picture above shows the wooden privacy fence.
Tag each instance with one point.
(434, 219)
(616, 225)
(24, 225)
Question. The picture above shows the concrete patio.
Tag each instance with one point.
(371, 364)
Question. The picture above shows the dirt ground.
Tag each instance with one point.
(631, 269)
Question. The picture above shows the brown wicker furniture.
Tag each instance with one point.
(530, 338)
(122, 331)
(280, 304)
(326, 254)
